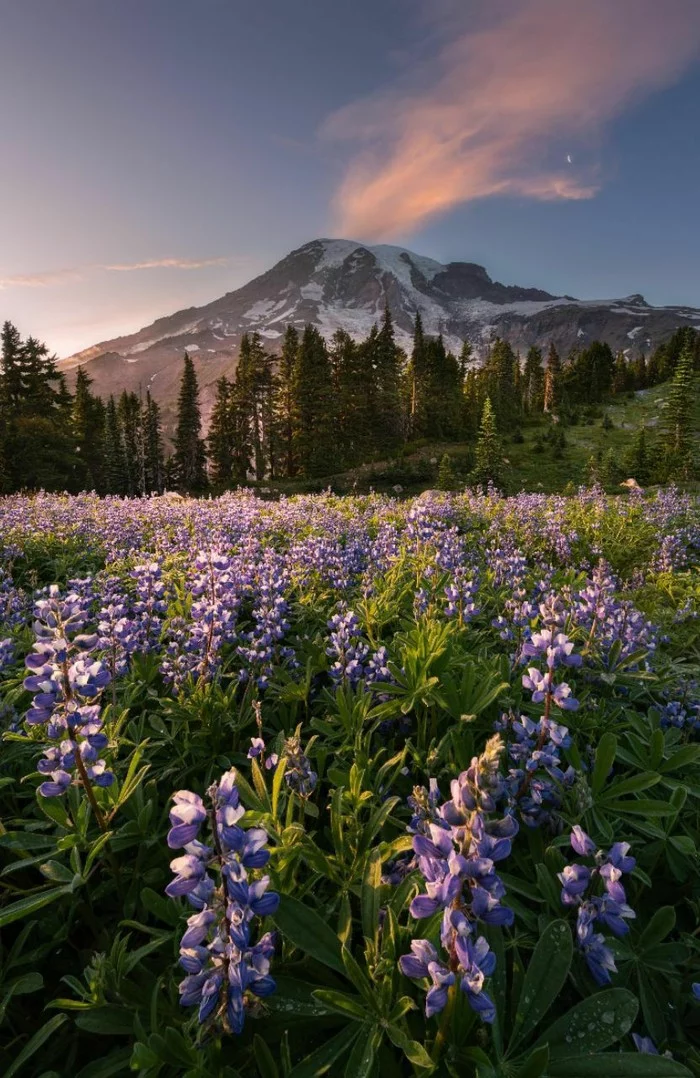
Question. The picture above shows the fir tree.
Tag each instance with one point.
(446, 478)
(284, 401)
(154, 466)
(637, 460)
(552, 381)
(87, 424)
(222, 434)
(387, 359)
(114, 467)
(189, 455)
(489, 454)
(679, 416)
(314, 419)
(533, 382)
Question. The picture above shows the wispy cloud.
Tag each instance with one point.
(498, 108)
(40, 280)
(167, 263)
(57, 277)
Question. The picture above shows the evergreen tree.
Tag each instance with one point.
(190, 456)
(552, 381)
(417, 378)
(637, 459)
(222, 434)
(352, 367)
(446, 478)
(87, 424)
(115, 473)
(314, 418)
(387, 367)
(130, 425)
(533, 382)
(610, 471)
(679, 416)
(284, 401)
(154, 464)
(489, 454)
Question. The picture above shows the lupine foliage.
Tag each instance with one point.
(350, 786)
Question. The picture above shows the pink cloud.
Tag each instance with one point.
(491, 112)
(166, 263)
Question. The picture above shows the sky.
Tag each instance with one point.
(159, 153)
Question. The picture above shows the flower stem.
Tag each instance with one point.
(441, 1038)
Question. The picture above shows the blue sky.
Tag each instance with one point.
(158, 153)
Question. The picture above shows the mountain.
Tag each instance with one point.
(342, 284)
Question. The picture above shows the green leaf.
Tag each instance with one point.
(28, 982)
(536, 1064)
(320, 1061)
(350, 1006)
(277, 782)
(116, 1062)
(264, 1058)
(617, 1065)
(604, 759)
(106, 1020)
(309, 932)
(546, 976)
(32, 1046)
(640, 807)
(295, 999)
(633, 785)
(591, 1025)
(660, 926)
(360, 981)
(414, 1051)
(371, 893)
(16, 910)
(361, 1059)
(689, 754)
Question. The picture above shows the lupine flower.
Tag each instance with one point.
(67, 688)
(456, 856)
(609, 910)
(225, 970)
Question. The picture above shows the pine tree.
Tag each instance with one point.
(388, 419)
(284, 401)
(314, 418)
(446, 478)
(610, 469)
(222, 434)
(489, 454)
(11, 356)
(352, 367)
(115, 473)
(87, 425)
(190, 455)
(417, 378)
(637, 460)
(130, 425)
(552, 381)
(679, 417)
(533, 382)
(154, 464)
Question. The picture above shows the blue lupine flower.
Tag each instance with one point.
(609, 910)
(225, 970)
(455, 851)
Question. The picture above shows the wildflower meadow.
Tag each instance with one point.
(350, 786)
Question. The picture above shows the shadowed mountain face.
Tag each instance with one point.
(341, 284)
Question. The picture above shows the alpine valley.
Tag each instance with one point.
(335, 283)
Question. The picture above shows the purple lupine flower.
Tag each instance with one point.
(225, 969)
(456, 851)
(609, 910)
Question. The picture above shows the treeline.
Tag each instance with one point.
(320, 408)
(52, 439)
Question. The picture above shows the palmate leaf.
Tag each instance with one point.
(16, 910)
